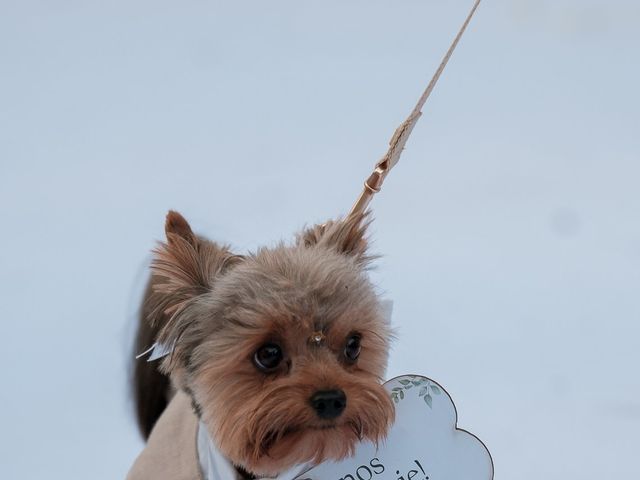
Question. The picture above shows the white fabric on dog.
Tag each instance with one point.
(215, 466)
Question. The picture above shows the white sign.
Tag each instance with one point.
(423, 444)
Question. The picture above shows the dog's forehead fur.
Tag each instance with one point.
(314, 286)
(308, 278)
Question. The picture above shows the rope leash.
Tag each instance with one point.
(373, 184)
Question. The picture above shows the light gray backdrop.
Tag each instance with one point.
(510, 230)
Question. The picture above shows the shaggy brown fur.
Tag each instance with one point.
(218, 309)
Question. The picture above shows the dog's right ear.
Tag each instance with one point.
(186, 265)
(346, 236)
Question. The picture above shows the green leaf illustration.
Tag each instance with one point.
(428, 400)
(398, 393)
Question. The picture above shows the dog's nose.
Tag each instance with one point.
(329, 404)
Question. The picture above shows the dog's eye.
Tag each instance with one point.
(352, 348)
(268, 357)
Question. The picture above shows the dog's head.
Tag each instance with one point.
(282, 350)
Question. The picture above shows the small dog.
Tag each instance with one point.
(282, 351)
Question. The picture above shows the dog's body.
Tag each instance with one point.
(281, 352)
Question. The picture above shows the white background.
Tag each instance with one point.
(510, 230)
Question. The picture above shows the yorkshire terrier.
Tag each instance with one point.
(282, 351)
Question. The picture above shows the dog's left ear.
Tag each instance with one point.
(188, 264)
(346, 236)
(184, 268)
